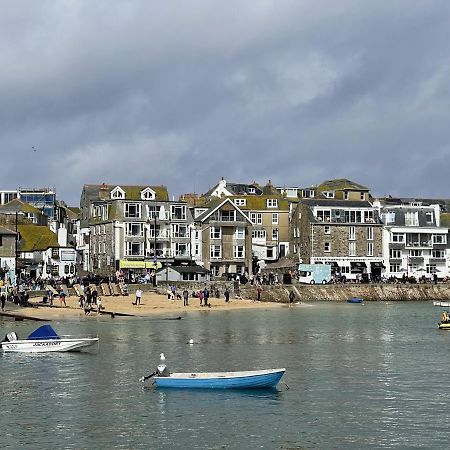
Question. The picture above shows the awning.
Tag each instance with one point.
(124, 264)
(332, 264)
(357, 266)
(377, 265)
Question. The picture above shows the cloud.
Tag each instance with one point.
(182, 93)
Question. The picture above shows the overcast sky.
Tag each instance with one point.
(182, 93)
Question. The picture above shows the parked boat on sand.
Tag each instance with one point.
(45, 339)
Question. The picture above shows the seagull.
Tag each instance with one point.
(191, 341)
(34, 149)
(162, 357)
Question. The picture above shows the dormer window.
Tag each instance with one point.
(346, 195)
(240, 201)
(272, 203)
(251, 190)
(117, 193)
(328, 194)
(147, 194)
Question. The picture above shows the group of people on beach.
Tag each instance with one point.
(89, 298)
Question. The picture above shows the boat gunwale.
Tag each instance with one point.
(222, 375)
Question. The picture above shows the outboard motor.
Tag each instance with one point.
(12, 336)
(162, 371)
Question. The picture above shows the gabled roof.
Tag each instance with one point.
(18, 205)
(215, 205)
(132, 192)
(36, 238)
(341, 184)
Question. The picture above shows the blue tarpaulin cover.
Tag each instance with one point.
(44, 332)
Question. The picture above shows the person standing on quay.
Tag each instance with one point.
(185, 297)
(138, 296)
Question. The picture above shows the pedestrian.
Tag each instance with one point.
(62, 298)
(200, 296)
(169, 294)
(3, 300)
(435, 278)
(138, 296)
(291, 298)
(258, 293)
(206, 296)
(94, 295)
(81, 300)
(227, 295)
(87, 308)
(185, 297)
(174, 291)
(99, 305)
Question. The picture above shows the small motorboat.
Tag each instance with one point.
(442, 304)
(444, 324)
(45, 339)
(355, 300)
(253, 379)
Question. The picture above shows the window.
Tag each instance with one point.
(274, 218)
(415, 253)
(346, 195)
(147, 194)
(269, 253)
(328, 194)
(181, 249)
(179, 230)
(178, 212)
(272, 203)
(370, 233)
(327, 247)
(394, 268)
(351, 233)
(353, 216)
(134, 249)
(215, 233)
(439, 239)
(412, 219)
(370, 249)
(240, 201)
(256, 218)
(103, 229)
(133, 210)
(352, 248)
(153, 211)
(239, 251)
(251, 190)
(134, 229)
(274, 235)
(368, 217)
(362, 196)
(398, 237)
(228, 216)
(327, 229)
(389, 218)
(215, 251)
(259, 234)
(323, 215)
(438, 254)
(395, 254)
(239, 233)
(117, 193)
(197, 249)
(431, 268)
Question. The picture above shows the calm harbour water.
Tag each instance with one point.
(360, 377)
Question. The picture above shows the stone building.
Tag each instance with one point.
(222, 238)
(344, 233)
(7, 255)
(132, 228)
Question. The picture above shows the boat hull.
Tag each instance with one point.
(47, 345)
(224, 380)
(442, 304)
(444, 326)
(355, 300)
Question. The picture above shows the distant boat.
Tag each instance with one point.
(355, 300)
(45, 339)
(443, 304)
(255, 379)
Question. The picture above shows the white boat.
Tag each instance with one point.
(45, 339)
(443, 304)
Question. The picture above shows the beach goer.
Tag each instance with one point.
(258, 293)
(185, 298)
(174, 291)
(206, 296)
(62, 298)
(138, 296)
(291, 298)
(3, 300)
(87, 308)
(94, 296)
(227, 295)
(169, 294)
(81, 301)
(99, 305)
(200, 296)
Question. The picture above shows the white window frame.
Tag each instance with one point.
(148, 194)
(240, 202)
(352, 248)
(370, 233)
(272, 203)
(129, 245)
(352, 233)
(126, 211)
(239, 233)
(239, 251)
(173, 208)
(370, 248)
(117, 193)
(129, 229)
(256, 218)
(215, 251)
(327, 247)
(439, 239)
(275, 219)
(326, 229)
(395, 253)
(215, 232)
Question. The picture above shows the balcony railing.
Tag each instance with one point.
(423, 244)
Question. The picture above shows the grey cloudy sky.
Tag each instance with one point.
(183, 92)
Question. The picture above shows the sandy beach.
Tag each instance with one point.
(151, 304)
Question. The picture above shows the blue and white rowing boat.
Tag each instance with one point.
(252, 379)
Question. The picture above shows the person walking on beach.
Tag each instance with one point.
(258, 293)
(291, 298)
(185, 297)
(62, 297)
(138, 296)
(200, 296)
(227, 295)
(3, 300)
(99, 305)
(206, 296)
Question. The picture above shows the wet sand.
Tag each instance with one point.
(151, 304)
